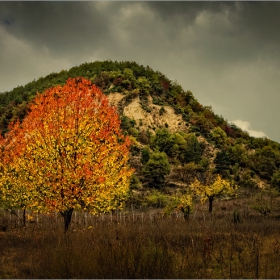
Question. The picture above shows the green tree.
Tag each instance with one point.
(219, 136)
(222, 161)
(275, 181)
(246, 180)
(194, 149)
(162, 141)
(266, 161)
(187, 172)
(156, 169)
(178, 146)
(127, 123)
(238, 155)
(145, 155)
(203, 123)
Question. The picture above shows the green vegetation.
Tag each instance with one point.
(156, 169)
(207, 143)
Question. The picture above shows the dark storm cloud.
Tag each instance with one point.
(62, 27)
(189, 10)
(262, 20)
(255, 23)
(67, 27)
(261, 17)
(225, 52)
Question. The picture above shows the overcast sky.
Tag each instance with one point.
(226, 53)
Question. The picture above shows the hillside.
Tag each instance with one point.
(168, 126)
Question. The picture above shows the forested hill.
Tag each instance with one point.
(173, 135)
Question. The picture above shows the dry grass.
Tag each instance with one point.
(146, 247)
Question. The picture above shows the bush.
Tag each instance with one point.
(143, 137)
(145, 155)
(133, 132)
(127, 123)
(156, 199)
(134, 182)
(162, 111)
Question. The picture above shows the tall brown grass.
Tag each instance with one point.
(144, 246)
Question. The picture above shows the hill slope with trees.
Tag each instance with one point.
(175, 138)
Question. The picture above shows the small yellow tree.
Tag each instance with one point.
(183, 203)
(211, 191)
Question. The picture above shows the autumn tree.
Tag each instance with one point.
(14, 193)
(69, 151)
(212, 190)
(182, 203)
(1, 162)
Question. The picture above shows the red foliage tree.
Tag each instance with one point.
(69, 152)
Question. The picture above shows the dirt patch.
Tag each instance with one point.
(153, 119)
(115, 98)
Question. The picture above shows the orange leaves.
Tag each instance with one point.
(101, 180)
(70, 149)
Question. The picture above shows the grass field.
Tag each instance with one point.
(144, 245)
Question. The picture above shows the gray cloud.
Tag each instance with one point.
(59, 26)
(189, 10)
(226, 53)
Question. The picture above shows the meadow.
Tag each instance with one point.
(233, 242)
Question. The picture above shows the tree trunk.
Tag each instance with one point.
(67, 215)
(24, 218)
(211, 199)
(186, 212)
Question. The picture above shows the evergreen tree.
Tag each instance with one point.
(156, 169)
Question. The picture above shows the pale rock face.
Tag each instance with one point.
(115, 98)
(153, 119)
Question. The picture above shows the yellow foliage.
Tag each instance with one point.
(218, 187)
(182, 202)
(68, 153)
